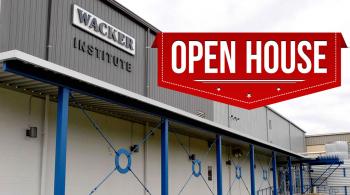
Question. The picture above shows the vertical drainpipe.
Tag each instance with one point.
(61, 141)
(290, 175)
(219, 164)
(147, 61)
(252, 171)
(44, 146)
(145, 155)
(301, 178)
(164, 156)
(274, 173)
(345, 187)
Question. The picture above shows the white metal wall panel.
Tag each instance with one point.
(278, 130)
(297, 139)
(251, 122)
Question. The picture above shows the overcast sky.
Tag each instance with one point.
(323, 112)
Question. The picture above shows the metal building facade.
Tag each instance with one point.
(43, 28)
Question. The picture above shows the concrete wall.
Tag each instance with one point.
(89, 158)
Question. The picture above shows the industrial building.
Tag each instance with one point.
(81, 113)
(316, 144)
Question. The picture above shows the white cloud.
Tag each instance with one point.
(327, 111)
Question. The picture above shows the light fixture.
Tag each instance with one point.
(32, 132)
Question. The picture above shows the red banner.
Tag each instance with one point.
(249, 70)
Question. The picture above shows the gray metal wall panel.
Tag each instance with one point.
(278, 132)
(23, 26)
(221, 113)
(252, 122)
(297, 139)
(62, 33)
(325, 139)
(186, 102)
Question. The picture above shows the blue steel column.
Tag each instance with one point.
(219, 164)
(164, 154)
(301, 178)
(290, 175)
(252, 171)
(274, 173)
(61, 141)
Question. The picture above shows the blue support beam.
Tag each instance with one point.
(301, 178)
(290, 178)
(252, 170)
(274, 173)
(61, 141)
(164, 156)
(219, 164)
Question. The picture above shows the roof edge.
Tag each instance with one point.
(132, 15)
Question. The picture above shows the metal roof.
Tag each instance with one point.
(32, 75)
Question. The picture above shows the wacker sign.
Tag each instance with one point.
(249, 70)
(96, 26)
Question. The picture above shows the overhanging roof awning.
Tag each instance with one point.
(43, 77)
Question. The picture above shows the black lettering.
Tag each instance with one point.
(111, 33)
(129, 43)
(90, 50)
(115, 61)
(82, 46)
(75, 42)
(97, 52)
(103, 55)
(93, 24)
(83, 17)
(128, 67)
(121, 37)
(122, 63)
(101, 28)
(108, 57)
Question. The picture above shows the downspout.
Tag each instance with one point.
(145, 151)
(44, 146)
(147, 61)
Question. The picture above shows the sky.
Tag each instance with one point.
(323, 112)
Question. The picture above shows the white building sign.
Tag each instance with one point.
(96, 26)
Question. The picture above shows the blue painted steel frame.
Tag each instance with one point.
(252, 170)
(219, 164)
(164, 156)
(274, 173)
(61, 141)
(290, 175)
(301, 178)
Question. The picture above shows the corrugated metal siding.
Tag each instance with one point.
(221, 113)
(297, 139)
(278, 132)
(24, 26)
(325, 139)
(62, 33)
(334, 183)
(252, 122)
(186, 102)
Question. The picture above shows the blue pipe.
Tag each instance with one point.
(164, 156)
(61, 141)
(274, 173)
(301, 178)
(252, 170)
(290, 175)
(219, 164)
